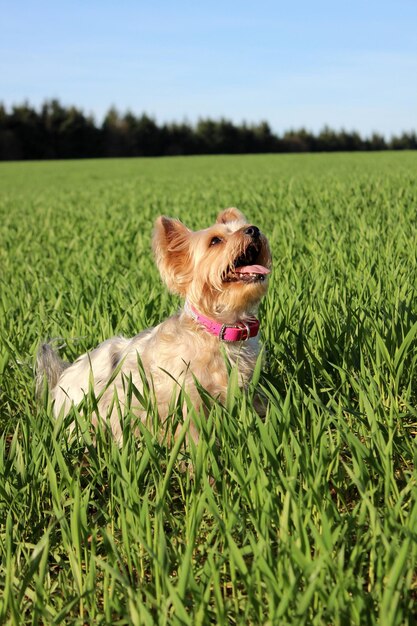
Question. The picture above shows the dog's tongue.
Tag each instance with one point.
(252, 269)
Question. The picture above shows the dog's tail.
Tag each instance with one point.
(48, 366)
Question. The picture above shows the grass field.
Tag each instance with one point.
(308, 517)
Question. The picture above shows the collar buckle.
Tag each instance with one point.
(243, 330)
(240, 326)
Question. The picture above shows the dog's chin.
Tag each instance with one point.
(250, 288)
(239, 295)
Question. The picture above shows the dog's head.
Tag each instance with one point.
(221, 270)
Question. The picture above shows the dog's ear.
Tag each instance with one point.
(230, 215)
(171, 246)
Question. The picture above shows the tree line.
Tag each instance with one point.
(58, 132)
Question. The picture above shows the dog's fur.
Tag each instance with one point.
(199, 266)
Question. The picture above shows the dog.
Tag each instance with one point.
(222, 273)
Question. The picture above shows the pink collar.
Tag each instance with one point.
(241, 331)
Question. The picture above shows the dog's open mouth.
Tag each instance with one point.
(245, 267)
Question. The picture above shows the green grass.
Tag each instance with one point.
(308, 517)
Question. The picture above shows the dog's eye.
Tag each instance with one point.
(215, 241)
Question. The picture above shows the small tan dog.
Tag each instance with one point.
(221, 272)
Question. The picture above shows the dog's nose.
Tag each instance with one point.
(252, 231)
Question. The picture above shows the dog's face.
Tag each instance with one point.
(221, 269)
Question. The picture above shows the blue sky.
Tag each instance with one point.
(350, 64)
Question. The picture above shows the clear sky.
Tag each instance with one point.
(349, 64)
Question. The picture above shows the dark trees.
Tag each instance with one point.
(58, 132)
